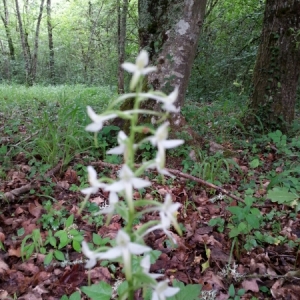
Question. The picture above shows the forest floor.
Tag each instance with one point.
(239, 206)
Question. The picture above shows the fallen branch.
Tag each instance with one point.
(11, 195)
(183, 175)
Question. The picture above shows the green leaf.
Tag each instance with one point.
(76, 246)
(63, 238)
(154, 255)
(97, 240)
(52, 241)
(48, 258)
(231, 291)
(281, 195)
(20, 231)
(100, 291)
(254, 163)
(59, 255)
(253, 221)
(75, 296)
(241, 292)
(188, 292)
(64, 297)
(234, 232)
(69, 221)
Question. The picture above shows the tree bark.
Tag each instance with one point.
(276, 73)
(169, 30)
(122, 20)
(36, 45)
(23, 42)
(5, 20)
(50, 43)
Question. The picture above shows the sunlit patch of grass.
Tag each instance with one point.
(48, 122)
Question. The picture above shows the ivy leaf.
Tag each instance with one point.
(100, 291)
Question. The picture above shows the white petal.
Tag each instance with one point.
(117, 150)
(145, 263)
(115, 187)
(89, 190)
(126, 172)
(129, 67)
(142, 59)
(171, 108)
(134, 80)
(94, 127)
(138, 249)
(94, 117)
(148, 70)
(112, 253)
(89, 254)
(155, 296)
(139, 183)
(122, 238)
(172, 143)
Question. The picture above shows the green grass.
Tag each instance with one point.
(48, 123)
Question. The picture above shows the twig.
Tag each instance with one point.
(183, 175)
(11, 195)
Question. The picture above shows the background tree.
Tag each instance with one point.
(5, 20)
(50, 43)
(276, 72)
(169, 31)
(122, 20)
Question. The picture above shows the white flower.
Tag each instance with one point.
(162, 290)
(127, 182)
(97, 119)
(167, 101)
(95, 184)
(145, 264)
(112, 201)
(139, 68)
(122, 137)
(124, 249)
(167, 212)
(91, 255)
(160, 138)
(159, 163)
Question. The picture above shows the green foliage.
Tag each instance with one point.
(235, 295)
(53, 218)
(32, 242)
(187, 292)
(101, 290)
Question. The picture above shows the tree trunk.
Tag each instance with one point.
(122, 20)
(36, 45)
(5, 20)
(50, 43)
(23, 42)
(276, 72)
(169, 30)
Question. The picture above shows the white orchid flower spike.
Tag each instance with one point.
(98, 120)
(93, 181)
(139, 68)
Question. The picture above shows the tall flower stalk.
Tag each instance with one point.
(129, 242)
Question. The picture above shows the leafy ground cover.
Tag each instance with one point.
(239, 202)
